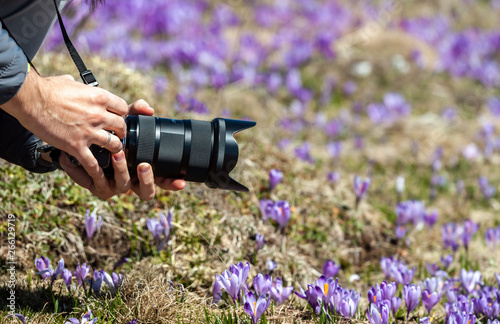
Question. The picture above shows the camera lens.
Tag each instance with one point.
(193, 150)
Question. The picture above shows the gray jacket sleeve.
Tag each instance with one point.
(13, 67)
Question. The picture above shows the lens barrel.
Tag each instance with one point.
(193, 150)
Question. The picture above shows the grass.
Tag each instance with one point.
(213, 229)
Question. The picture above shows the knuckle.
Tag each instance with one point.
(115, 146)
(95, 117)
(142, 102)
(101, 98)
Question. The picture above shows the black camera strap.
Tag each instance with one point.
(86, 75)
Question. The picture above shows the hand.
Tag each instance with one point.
(105, 188)
(70, 116)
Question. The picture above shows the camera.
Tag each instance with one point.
(193, 150)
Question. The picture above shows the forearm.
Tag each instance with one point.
(28, 102)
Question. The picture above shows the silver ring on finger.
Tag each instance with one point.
(109, 140)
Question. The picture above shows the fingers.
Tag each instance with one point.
(114, 123)
(146, 187)
(89, 162)
(114, 104)
(109, 141)
(76, 173)
(121, 174)
(170, 184)
(140, 107)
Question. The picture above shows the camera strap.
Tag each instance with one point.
(86, 75)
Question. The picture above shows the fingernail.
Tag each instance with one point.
(145, 168)
(118, 157)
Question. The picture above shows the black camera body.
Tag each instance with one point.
(193, 150)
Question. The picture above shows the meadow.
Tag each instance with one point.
(372, 171)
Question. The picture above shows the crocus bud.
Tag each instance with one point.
(275, 177)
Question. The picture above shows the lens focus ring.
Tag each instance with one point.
(146, 140)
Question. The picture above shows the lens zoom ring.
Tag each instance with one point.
(146, 139)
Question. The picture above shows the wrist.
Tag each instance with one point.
(29, 99)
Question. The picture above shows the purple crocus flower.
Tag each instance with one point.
(411, 295)
(91, 223)
(401, 231)
(350, 87)
(281, 213)
(434, 284)
(385, 265)
(262, 284)
(375, 294)
(360, 188)
(54, 273)
(241, 269)
(333, 177)
(259, 238)
(447, 260)
(233, 279)
(255, 308)
(275, 177)
(432, 268)
(114, 281)
(430, 299)
(271, 265)
(425, 320)
(450, 232)
(279, 293)
(330, 269)
(401, 274)
(486, 306)
(97, 280)
(485, 187)
(491, 237)
(43, 266)
(348, 306)
(19, 317)
(216, 292)
(160, 225)
(67, 276)
(303, 152)
(230, 283)
(395, 304)
(388, 289)
(81, 273)
(313, 295)
(470, 279)
(134, 321)
(378, 315)
(327, 286)
(266, 208)
(85, 319)
(334, 149)
(430, 218)
(469, 229)
(461, 318)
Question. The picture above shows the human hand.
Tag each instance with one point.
(70, 116)
(105, 188)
